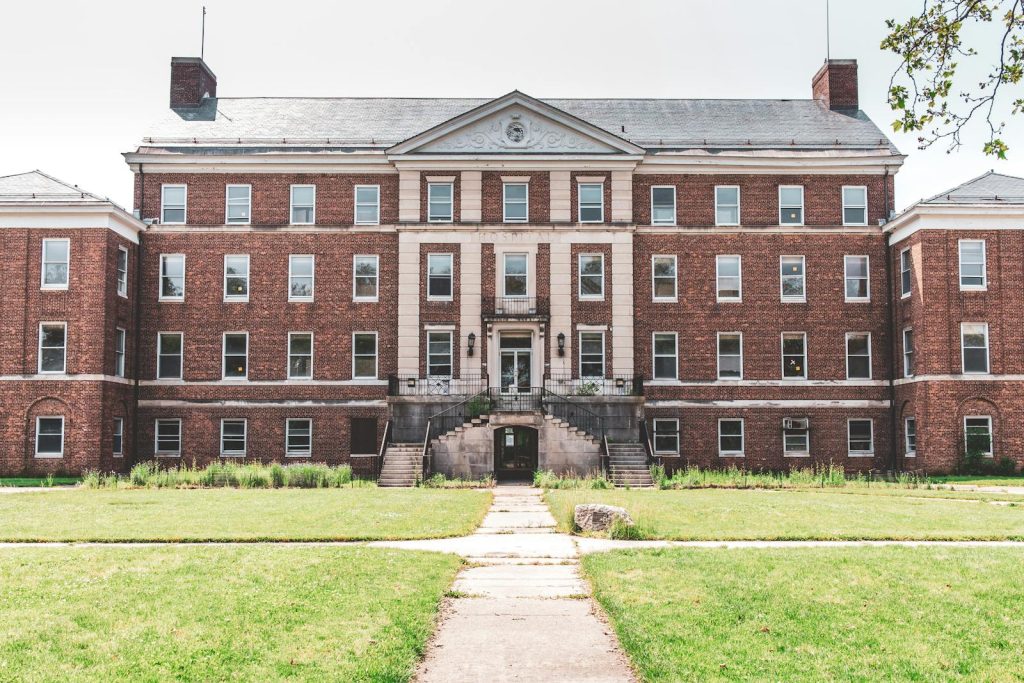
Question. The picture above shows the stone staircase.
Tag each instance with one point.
(627, 465)
(403, 465)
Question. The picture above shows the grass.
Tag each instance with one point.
(974, 480)
(240, 474)
(850, 614)
(217, 613)
(240, 514)
(800, 515)
(22, 482)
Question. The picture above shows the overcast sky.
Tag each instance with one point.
(81, 80)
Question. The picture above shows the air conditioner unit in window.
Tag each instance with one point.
(795, 423)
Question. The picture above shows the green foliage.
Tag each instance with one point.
(546, 479)
(588, 389)
(620, 530)
(976, 463)
(439, 481)
(820, 476)
(228, 475)
(477, 406)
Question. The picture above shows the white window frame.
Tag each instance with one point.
(376, 355)
(63, 436)
(505, 203)
(117, 431)
(655, 356)
(963, 351)
(120, 351)
(984, 266)
(675, 278)
(718, 355)
(237, 298)
(224, 357)
(849, 449)
(164, 207)
(911, 451)
(580, 276)
(505, 274)
(654, 435)
(604, 349)
(245, 438)
(991, 434)
(156, 437)
(801, 298)
(855, 206)
(675, 205)
(122, 282)
(908, 353)
(160, 280)
(67, 265)
(39, 348)
(719, 276)
(782, 349)
(451, 203)
(797, 454)
(292, 206)
(451, 352)
(288, 452)
(227, 204)
(803, 205)
(450, 257)
(743, 438)
(739, 219)
(159, 353)
(376, 278)
(906, 268)
(289, 354)
(579, 201)
(849, 335)
(375, 204)
(292, 276)
(847, 278)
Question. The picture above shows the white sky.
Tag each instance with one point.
(81, 80)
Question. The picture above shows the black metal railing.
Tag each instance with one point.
(466, 384)
(515, 306)
(645, 439)
(574, 413)
(456, 416)
(385, 440)
(610, 385)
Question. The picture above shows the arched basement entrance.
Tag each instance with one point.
(515, 453)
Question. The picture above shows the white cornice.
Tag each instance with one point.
(966, 217)
(772, 162)
(104, 215)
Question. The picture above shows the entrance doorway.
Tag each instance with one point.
(516, 363)
(515, 453)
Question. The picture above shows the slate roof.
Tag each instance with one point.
(37, 187)
(990, 188)
(649, 123)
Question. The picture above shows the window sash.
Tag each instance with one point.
(908, 353)
(663, 278)
(590, 205)
(440, 202)
(730, 355)
(367, 204)
(122, 271)
(440, 360)
(236, 355)
(300, 355)
(860, 437)
(440, 276)
(796, 441)
(49, 437)
(663, 205)
(856, 270)
(792, 278)
(119, 352)
(53, 347)
(173, 203)
(591, 276)
(591, 358)
(364, 355)
(665, 358)
(974, 348)
(365, 277)
(791, 205)
(56, 263)
(515, 209)
(117, 437)
(794, 356)
(169, 364)
(730, 436)
(233, 436)
(515, 272)
(910, 436)
(906, 281)
(972, 264)
(858, 356)
(978, 434)
(730, 284)
(239, 204)
(167, 436)
(855, 205)
(666, 436)
(727, 209)
(303, 204)
(236, 277)
(301, 271)
(298, 436)
(172, 277)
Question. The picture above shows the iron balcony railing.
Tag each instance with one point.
(611, 385)
(466, 384)
(515, 307)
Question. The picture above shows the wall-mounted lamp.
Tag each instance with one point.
(411, 382)
(561, 343)
(619, 382)
(471, 343)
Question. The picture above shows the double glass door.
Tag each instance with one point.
(516, 363)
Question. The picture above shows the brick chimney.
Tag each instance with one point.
(835, 84)
(191, 81)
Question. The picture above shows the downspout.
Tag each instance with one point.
(136, 353)
(891, 322)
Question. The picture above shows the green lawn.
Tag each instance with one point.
(978, 480)
(217, 613)
(799, 515)
(850, 614)
(20, 482)
(239, 514)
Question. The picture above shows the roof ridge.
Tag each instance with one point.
(489, 99)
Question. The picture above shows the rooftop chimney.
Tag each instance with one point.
(835, 84)
(191, 81)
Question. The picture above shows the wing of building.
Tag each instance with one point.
(496, 286)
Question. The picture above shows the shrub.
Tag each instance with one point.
(621, 531)
(244, 475)
(546, 479)
(588, 389)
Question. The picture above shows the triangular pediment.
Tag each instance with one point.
(515, 124)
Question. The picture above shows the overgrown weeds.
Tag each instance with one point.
(546, 479)
(439, 481)
(241, 475)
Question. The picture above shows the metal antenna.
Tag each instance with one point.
(828, 31)
(202, 44)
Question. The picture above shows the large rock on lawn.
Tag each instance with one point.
(595, 517)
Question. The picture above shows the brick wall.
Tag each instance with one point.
(539, 195)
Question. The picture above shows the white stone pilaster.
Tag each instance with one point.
(408, 304)
(560, 197)
(470, 196)
(470, 288)
(561, 306)
(409, 196)
(622, 196)
(622, 304)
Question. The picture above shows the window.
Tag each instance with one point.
(303, 204)
(300, 355)
(367, 204)
(439, 276)
(665, 358)
(364, 281)
(168, 355)
(236, 355)
(300, 277)
(239, 203)
(236, 277)
(172, 203)
(791, 278)
(905, 281)
(439, 202)
(119, 350)
(117, 437)
(591, 276)
(515, 274)
(663, 272)
(978, 434)
(167, 437)
(439, 354)
(858, 355)
(796, 437)
(972, 264)
(791, 205)
(855, 206)
(666, 436)
(516, 200)
(974, 347)
(727, 205)
(56, 262)
(172, 277)
(728, 271)
(663, 205)
(860, 437)
(232, 437)
(53, 347)
(910, 437)
(591, 354)
(794, 355)
(730, 355)
(858, 283)
(364, 355)
(908, 352)
(298, 439)
(591, 202)
(122, 272)
(730, 437)
(49, 437)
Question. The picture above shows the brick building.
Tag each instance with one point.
(505, 285)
